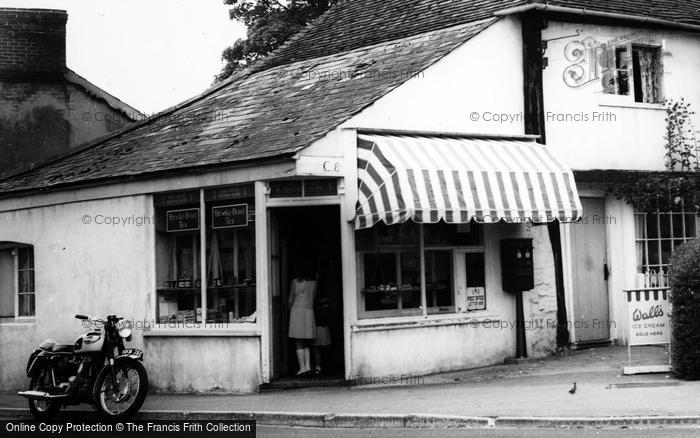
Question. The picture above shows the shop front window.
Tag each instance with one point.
(389, 261)
(227, 282)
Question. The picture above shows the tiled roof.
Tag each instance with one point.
(356, 23)
(270, 110)
(255, 116)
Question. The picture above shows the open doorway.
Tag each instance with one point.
(308, 237)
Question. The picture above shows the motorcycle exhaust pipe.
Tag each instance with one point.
(40, 395)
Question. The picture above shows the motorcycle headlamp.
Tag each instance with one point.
(125, 333)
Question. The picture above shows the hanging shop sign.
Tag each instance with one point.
(229, 216)
(182, 220)
(648, 316)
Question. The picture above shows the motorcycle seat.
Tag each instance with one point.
(55, 347)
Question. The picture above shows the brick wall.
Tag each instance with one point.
(32, 44)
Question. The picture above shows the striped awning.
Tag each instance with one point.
(458, 179)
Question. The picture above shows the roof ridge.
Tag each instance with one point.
(302, 32)
(383, 43)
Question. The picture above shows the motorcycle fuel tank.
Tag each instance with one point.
(89, 342)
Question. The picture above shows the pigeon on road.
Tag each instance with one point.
(572, 391)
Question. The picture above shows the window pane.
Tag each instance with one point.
(639, 225)
(453, 235)
(647, 74)
(26, 258)
(622, 67)
(654, 252)
(410, 280)
(677, 225)
(665, 225)
(666, 251)
(690, 225)
(230, 255)
(380, 279)
(677, 243)
(26, 305)
(177, 258)
(438, 278)
(641, 256)
(652, 225)
(476, 270)
(26, 281)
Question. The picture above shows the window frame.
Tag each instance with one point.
(424, 310)
(17, 291)
(15, 285)
(631, 72)
(243, 328)
(645, 267)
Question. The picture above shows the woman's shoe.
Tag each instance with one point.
(317, 371)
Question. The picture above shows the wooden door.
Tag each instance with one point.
(591, 318)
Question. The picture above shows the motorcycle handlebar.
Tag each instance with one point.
(82, 317)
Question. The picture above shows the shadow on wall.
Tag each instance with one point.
(40, 135)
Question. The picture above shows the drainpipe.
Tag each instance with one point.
(592, 13)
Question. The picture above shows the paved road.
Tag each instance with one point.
(299, 432)
(302, 432)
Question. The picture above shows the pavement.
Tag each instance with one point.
(532, 393)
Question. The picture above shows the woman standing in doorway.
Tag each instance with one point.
(302, 324)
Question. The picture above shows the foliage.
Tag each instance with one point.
(685, 314)
(270, 23)
(681, 143)
(676, 189)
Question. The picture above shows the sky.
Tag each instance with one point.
(151, 54)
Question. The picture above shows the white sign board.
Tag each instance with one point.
(319, 166)
(648, 317)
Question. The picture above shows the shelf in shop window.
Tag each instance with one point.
(390, 291)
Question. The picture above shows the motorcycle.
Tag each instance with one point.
(96, 369)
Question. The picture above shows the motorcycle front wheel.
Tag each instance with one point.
(42, 410)
(117, 401)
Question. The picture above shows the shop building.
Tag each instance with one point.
(376, 161)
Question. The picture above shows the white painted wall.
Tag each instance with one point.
(471, 79)
(626, 135)
(80, 268)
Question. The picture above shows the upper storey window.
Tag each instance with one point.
(634, 70)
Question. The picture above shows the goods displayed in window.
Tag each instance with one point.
(390, 274)
(228, 280)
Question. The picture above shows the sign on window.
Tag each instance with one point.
(182, 220)
(476, 298)
(229, 216)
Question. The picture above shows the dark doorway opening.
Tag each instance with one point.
(310, 235)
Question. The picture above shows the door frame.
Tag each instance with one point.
(278, 203)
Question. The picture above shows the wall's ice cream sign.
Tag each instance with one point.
(648, 316)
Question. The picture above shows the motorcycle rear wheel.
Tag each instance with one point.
(121, 403)
(42, 410)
